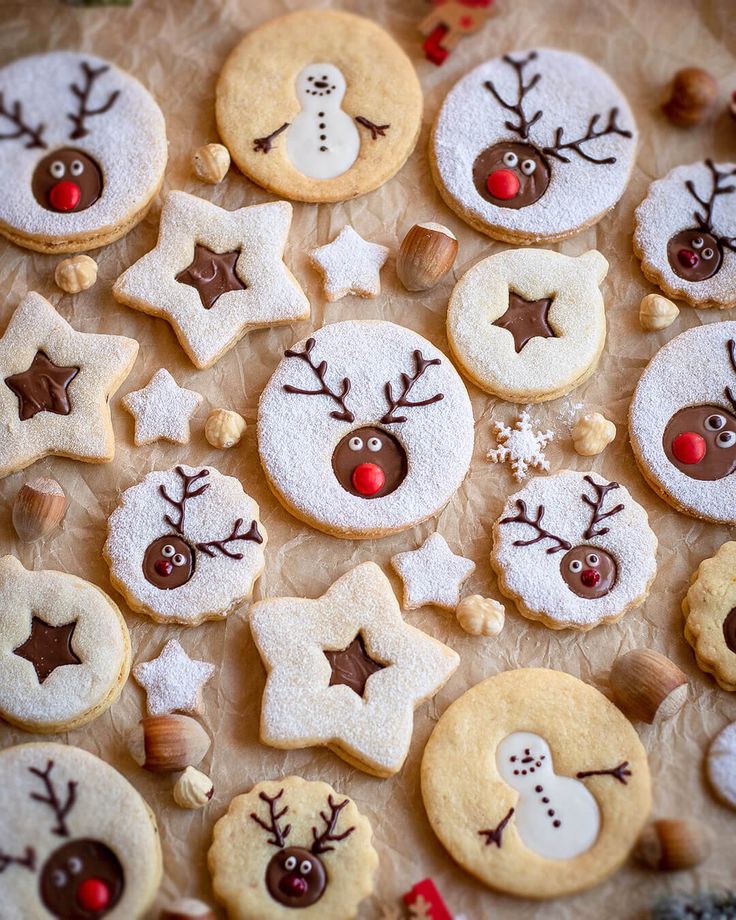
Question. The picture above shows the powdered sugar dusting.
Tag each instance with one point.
(161, 410)
(350, 265)
(721, 764)
(173, 681)
(432, 574)
(522, 446)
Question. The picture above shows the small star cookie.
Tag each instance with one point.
(432, 574)
(173, 682)
(161, 410)
(350, 265)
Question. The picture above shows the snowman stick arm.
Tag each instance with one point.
(376, 130)
(619, 773)
(264, 144)
(495, 834)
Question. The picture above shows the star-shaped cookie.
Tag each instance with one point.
(161, 410)
(55, 387)
(173, 682)
(312, 695)
(432, 574)
(215, 274)
(350, 265)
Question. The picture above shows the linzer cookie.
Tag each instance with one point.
(77, 839)
(534, 145)
(574, 550)
(185, 545)
(82, 148)
(536, 783)
(364, 429)
(682, 422)
(685, 233)
(319, 105)
(308, 850)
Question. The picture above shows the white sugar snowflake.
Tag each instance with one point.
(522, 445)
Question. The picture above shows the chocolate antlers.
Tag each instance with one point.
(402, 401)
(344, 414)
(731, 348)
(320, 841)
(597, 504)
(279, 834)
(704, 218)
(523, 518)
(52, 799)
(524, 123)
(83, 94)
(14, 114)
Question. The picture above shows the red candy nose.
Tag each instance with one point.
(688, 258)
(503, 184)
(64, 196)
(293, 885)
(93, 894)
(689, 447)
(590, 578)
(368, 478)
(163, 567)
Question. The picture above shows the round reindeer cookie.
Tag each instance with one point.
(319, 105)
(185, 545)
(685, 233)
(78, 842)
(529, 325)
(574, 550)
(682, 422)
(535, 145)
(82, 148)
(536, 784)
(364, 429)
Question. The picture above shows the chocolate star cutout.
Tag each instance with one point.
(48, 647)
(526, 319)
(352, 666)
(43, 387)
(211, 274)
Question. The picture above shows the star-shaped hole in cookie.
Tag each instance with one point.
(352, 665)
(48, 647)
(526, 319)
(212, 274)
(43, 387)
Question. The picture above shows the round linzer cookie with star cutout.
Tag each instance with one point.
(529, 325)
(536, 784)
(574, 550)
(685, 234)
(185, 545)
(682, 422)
(319, 105)
(364, 429)
(533, 146)
(77, 840)
(82, 151)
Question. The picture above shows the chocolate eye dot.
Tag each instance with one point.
(167, 551)
(306, 867)
(57, 169)
(290, 862)
(726, 439)
(708, 253)
(697, 242)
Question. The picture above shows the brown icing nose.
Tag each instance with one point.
(320, 84)
(687, 258)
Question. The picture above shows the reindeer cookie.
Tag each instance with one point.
(185, 545)
(82, 148)
(309, 853)
(682, 422)
(534, 145)
(574, 550)
(364, 429)
(685, 234)
(319, 105)
(77, 842)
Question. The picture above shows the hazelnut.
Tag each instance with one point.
(657, 312)
(211, 163)
(193, 789)
(647, 686)
(732, 105)
(480, 616)
(670, 844)
(693, 97)
(427, 254)
(168, 743)
(76, 274)
(38, 509)
(592, 434)
(224, 428)
(187, 909)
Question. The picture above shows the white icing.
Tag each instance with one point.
(161, 410)
(521, 445)
(432, 574)
(350, 265)
(721, 764)
(173, 681)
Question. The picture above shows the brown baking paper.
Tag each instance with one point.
(176, 47)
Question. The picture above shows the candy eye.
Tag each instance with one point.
(715, 422)
(355, 443)
(592, 559)
(306, 867)
(290, 863)
(179, 559)
(697, 242)
(167, 551)
(59, 878)
(528, 167)
(576, 565)
(374, 444)
(510, 159)
(726, 439)
(77, 168)
(74, 865)
(708, 253)
(57, 169)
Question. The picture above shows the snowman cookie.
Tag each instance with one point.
(536, 783)
(574, 550)
(682, 422)
(185, 545)
(364, 429)
(76, 839)
(529, 325)
(685, 234)
(319, 105)
(535, 145)
(82, 148)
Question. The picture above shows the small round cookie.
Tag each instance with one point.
(721, 765)
(339, 106)
(685, 234)
(364, 429)
(709, 608)
(77, 840)
(185, 545)
(288, 845)
(529, 325)
(682, 422)
(536, 783)
(535, 145)
(82, 148)
(64, 649)
(574, 550)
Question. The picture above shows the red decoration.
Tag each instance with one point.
(427, 891)
(689, 447)
(64, 196)
(503, 184)
(163, 567)
(448, 22)
(590, 578)
(687, 258)
(93, 894)
(368, 478)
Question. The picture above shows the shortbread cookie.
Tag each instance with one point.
(364, 429)
(521, 445)
(216, 274)
(685, 234)
(721, 764)
(350, 265)
(710, 615)
(82, 148)
(64, 649)
(534, 145)
(161, 410)
(574, 550)
(536, 783)
(292, 845)
(432, 574)
(529, 325)
(319, 105)
(682, 422)
(77, 840)
(185, 545)
(56, 387)
(346, 671)
(173, 682)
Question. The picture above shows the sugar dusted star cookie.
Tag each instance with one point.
(432, 574)
(161, 410)
(350, 265)
(173, 682)
(346, 671)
